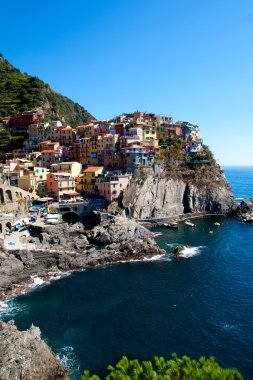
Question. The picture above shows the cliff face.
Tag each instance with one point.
(163, 194)
(24, 356)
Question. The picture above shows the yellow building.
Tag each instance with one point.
(67, 136)
(88, 150)
(86, 182)
(148, 133)
(85, 130)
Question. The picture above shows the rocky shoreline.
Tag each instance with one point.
(56, 250)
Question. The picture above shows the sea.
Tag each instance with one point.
(199, 304)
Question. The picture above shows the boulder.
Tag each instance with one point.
(178, 250)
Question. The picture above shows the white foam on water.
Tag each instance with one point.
(187, 251)
(37, 281)
(154, 258)
(9, 308)
(66, 355)
(191, 251)
(58, 275)
(239, 199)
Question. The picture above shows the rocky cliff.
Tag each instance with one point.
(24, 356)
(161, 193)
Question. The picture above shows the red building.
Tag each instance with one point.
(22, 120)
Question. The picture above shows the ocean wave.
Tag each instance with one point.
(68, 358)
(9, 308)
(154, 258)
(37, 281)
(187, 251)
(190, 251)
(58, 275)
(239, 199)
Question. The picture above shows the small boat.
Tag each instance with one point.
(170, 225)
(189, 223)
(210, 232)
(217, 224)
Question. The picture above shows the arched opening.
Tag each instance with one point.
(17, 194)
(8, 225)
(21, 196)
(8, 195)
(1, 196)
(71, 217)
(1, 228)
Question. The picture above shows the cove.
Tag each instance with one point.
(197, 305)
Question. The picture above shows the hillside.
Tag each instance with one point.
(21, 92)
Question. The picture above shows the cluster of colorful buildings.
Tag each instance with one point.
(96, 159)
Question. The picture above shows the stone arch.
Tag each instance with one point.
(8, 195)
(1, 195)
(71, 217)
(8, 225)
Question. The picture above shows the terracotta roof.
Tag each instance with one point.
(93, 169)
(50, 151)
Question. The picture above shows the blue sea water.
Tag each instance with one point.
(201, 304)
(241, 179)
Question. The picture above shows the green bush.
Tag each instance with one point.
(173, 369)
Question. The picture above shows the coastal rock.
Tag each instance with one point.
(178, 250)
(24, 356)
(245, 210)
(118, 229)
(128, 239)
(171, 194)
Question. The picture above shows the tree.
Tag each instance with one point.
(173, 369)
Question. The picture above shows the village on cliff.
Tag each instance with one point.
(87, 167)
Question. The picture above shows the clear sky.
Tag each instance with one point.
(192, 59)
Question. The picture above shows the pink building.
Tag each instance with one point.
(112, 185)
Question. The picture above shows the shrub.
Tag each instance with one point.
(173, 369)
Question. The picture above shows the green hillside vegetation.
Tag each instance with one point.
(21, 92)
(174, 369)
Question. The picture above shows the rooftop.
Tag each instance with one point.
(93, 169)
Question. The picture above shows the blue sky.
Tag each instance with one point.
(192, 59)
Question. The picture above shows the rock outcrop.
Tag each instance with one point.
(24, 356)
(245, 210)
(172, 194)
(53, 250)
